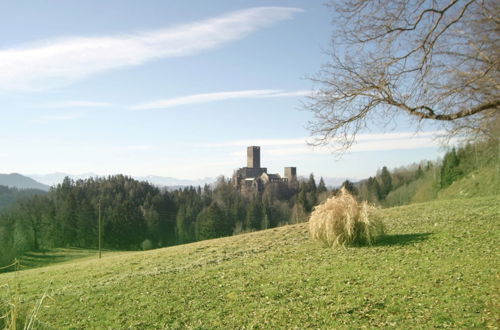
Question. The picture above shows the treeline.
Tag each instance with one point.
(9, 195)
(137, 215)
(426, 180)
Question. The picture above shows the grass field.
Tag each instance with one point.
(437, 267)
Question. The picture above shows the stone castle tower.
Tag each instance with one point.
(253, 157)
(291, 173)
(253, 177)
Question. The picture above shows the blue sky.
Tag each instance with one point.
(172, 88)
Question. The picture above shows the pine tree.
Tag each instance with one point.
(321, 186)
(254, 215)
(86, 225)
(211, 223)
(385, 183)
(450, 170)
(349, 186)
(311, 184)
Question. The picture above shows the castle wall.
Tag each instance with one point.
(247, 172)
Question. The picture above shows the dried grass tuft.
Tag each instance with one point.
(13, 314)
(342, 221)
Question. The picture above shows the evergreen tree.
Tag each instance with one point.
(86, 219)
(349, 186)
(374, 189)
(302, 200)
(450, 170)
(420, 173)
(321, 186)
(211, 223)
(311, 184)
(254, 215)
(385, 183)
(182, 227)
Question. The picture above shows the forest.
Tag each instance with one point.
(424, 181)
(137, 215)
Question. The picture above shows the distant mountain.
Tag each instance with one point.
(163, 181)
(52, 179)
(335, 182)
(173, 182)
(16, 180)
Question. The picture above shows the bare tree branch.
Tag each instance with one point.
(431, 59)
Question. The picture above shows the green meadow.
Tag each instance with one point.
(436, 267)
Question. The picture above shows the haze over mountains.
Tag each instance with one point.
(45, 181)
(16, 180)
(57, 177)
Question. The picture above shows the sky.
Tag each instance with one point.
(174, 88)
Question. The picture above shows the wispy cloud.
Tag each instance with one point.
(77, 104)
(219, 96)
(291, 94)
(257, 142)
(362, 146)
(399, 135)
(302, 141)
(56, 62)
(365, 142)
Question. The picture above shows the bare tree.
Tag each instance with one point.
(431, 59)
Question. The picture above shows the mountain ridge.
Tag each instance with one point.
(57, 177)
(16, 180)
(158, 180)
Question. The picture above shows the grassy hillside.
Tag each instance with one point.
(438, 267)
(470, 170)
(30, 260)
(482, 182)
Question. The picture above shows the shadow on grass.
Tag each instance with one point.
(402, 239)
(36, 259)
(31, 260)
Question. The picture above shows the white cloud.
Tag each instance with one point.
(213, 97)
(395, 144)
(77, 104)
(55, 62)
(258, 142)
(365, 142)
(288, 94)
(364, 146)
(398, 135)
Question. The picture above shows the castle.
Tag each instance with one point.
(255, 178)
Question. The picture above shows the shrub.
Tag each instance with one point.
(147, 245)
(341, 221)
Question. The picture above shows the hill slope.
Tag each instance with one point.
(19, 181)
(436, 267)
(482, 182)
